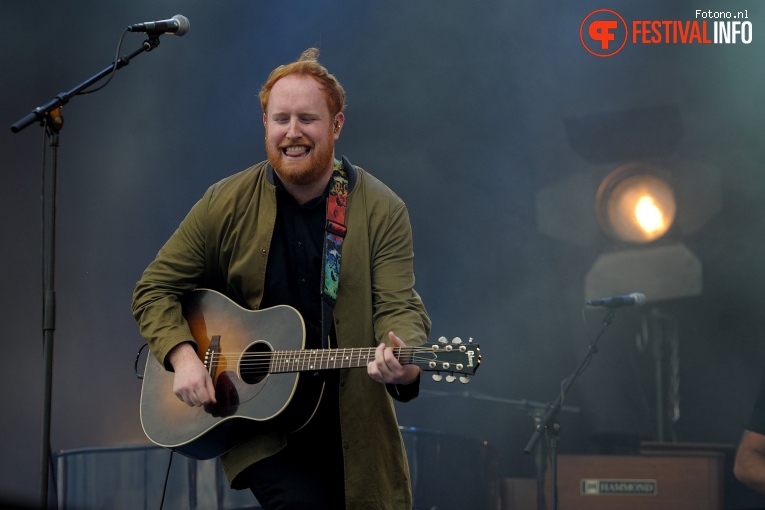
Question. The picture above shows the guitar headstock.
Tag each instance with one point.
(455, 357)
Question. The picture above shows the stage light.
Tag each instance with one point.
(636, 204)
(634, 197)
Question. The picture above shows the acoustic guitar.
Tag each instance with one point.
(263, 375)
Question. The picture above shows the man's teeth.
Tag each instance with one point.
(295, 150)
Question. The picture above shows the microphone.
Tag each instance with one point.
(177, 25)
(634, 299)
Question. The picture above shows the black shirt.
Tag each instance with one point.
(293, 277)
(293, 273)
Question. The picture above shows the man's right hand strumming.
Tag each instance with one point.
(192, 384)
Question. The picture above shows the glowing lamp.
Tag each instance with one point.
(636, 204)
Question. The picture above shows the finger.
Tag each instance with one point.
(373, 371)
(187, 398)
(377, 368)
(197, 394)
(395, 340)
(183, 394)
(390, 358)
(380, 354)
(202, 397)
(395, 369)
(210, 391)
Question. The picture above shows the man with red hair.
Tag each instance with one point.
(259, 238)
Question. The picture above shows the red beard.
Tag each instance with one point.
(305, 171)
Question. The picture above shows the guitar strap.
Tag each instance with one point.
(334, 234)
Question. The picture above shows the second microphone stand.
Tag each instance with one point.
(549, 425)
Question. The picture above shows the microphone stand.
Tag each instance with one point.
(49, 116)
(550, 426)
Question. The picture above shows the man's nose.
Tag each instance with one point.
(293, 129)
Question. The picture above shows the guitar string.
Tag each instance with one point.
(356, 351)
(320, 352)
(311, 358)
(300, 365)
(319, 361)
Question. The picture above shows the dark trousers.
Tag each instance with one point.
(297, 480)
(308, 473)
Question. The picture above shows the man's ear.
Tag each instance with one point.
(338, 124)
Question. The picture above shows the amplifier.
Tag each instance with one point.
(655, 480)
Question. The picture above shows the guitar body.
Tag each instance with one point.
(249, 398)
(256, 359)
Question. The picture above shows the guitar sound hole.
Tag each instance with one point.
(256, 359)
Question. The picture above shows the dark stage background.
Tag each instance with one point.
(467, 110)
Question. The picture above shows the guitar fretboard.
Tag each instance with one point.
(326, 359)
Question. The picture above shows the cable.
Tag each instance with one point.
(167, 476)
(115, 66)
(137, 357)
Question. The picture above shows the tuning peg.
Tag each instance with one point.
(450, 378)
(437, 376)
(456, 340)
(442, 340)
(464, 379)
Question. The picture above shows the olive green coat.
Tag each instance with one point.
(223, 244)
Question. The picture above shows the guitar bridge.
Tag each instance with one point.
(211, 361)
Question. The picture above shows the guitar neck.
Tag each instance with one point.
(328, 359)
